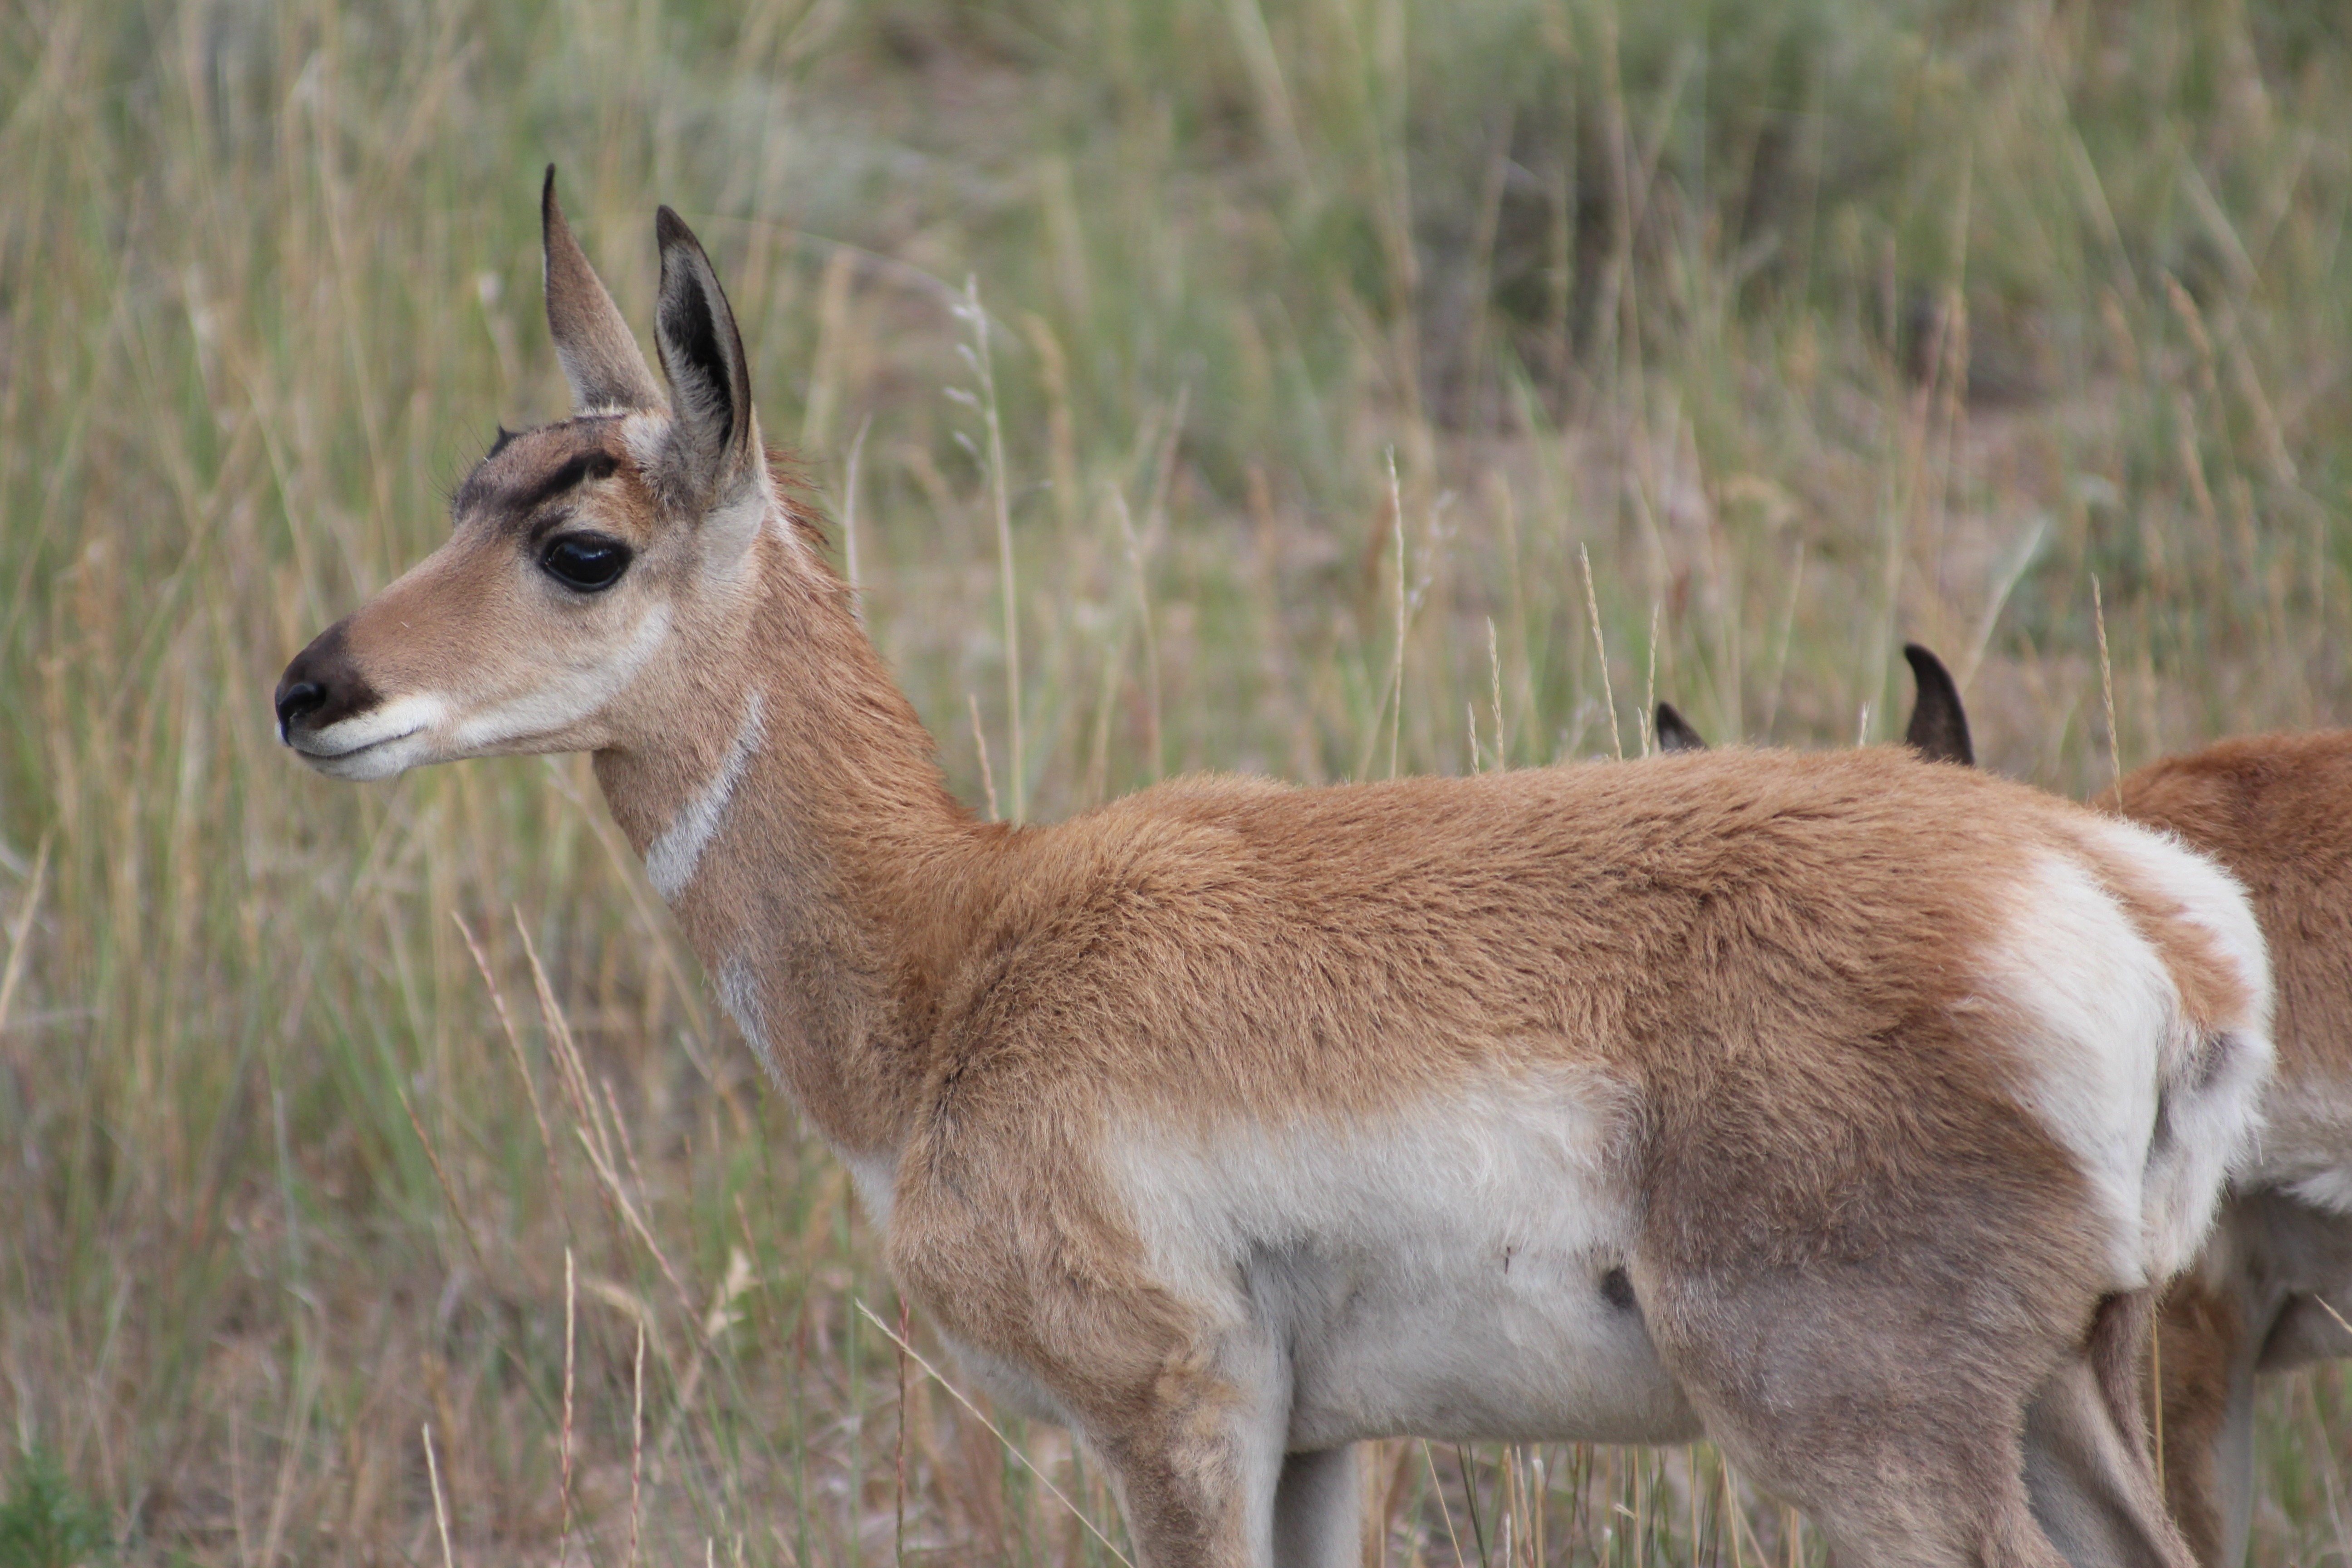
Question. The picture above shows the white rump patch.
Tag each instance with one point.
(1445, 1270)
(2154, 1108)
(2306, 1142)
(677, 854)
(2329, 1188)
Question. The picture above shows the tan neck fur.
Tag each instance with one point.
(833, 872)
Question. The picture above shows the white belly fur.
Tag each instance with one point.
(1437, 1273)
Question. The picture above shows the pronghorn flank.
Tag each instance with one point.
(2271, 1288)
(1841, 1108)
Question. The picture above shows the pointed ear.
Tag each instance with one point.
(714, 445)
(601, 358)
(1674, 732)
(1939, 729)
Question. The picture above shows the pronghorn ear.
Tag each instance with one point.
(1939, 729)
(1674, 732)
(601, 358)
(714, 442)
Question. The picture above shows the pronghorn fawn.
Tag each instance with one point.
(2273, 1288)
(1841, 1109)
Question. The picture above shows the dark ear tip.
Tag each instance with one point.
(1675, 733)
(1917, 657)
(669, 229)
(547, 193)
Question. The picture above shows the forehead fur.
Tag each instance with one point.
(528, 472)
(525, 472)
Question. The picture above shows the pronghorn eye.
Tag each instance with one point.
(587, 562)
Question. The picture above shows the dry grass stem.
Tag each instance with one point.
(996, 1432)
(440, 1504)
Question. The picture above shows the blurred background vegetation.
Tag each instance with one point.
(1413, 385)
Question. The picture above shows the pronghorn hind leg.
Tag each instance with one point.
(1913, 1494)
(1903, 1453)
(2087, 1463)
(1319, 1511)
(1862, 1342)
(2093, 1492)
(2209, 1355)
(2223, 1544)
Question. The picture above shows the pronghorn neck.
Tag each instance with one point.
(790, 813)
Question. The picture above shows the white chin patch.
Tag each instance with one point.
(385, 740)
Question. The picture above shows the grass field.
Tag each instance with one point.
(1383, 384)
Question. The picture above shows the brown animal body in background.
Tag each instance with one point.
(2266, 1295)
(2273, 1285)
(1844, 1109)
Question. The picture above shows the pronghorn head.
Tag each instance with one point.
(594, 564)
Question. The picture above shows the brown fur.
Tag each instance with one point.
(2277, 811)
(1776, 982)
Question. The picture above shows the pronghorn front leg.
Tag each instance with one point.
(1184, 1402)
(1197, 1480)
(1319, 1511)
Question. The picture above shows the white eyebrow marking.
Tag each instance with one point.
(677, 854)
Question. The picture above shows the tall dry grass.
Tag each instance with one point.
(1325, 345)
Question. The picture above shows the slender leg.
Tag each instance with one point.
(2233, 1469)
(1877, 1375)
(2207, 1405)
(2253, 1306)
(1197, 1463)
(1924, 1496)
(1817, 1393)
(1319, 1511)
(2093, 1488)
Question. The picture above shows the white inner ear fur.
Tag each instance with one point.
(729, 527)
(726, 532)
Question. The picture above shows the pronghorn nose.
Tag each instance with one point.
(296, 699)
(321, 688)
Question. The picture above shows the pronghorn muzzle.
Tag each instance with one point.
(321, 688)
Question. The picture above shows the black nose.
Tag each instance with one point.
(296, 699)
(322, 687)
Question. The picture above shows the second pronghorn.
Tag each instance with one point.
(1844, 1109)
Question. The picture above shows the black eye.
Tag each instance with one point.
(587, 562)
